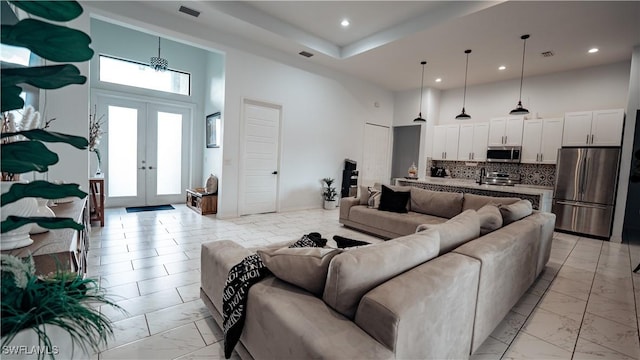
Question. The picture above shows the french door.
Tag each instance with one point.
(146, 161)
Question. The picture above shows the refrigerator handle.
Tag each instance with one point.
(583, 175)
(591, 206)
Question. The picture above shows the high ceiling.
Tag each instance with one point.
(386, 40)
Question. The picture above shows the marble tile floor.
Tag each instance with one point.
(585, 305)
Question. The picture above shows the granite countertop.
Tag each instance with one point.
(472, 184)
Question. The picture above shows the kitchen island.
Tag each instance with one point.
(540, 196)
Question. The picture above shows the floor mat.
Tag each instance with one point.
(149, 208)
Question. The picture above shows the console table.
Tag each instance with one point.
(66, 248)
(202, 202)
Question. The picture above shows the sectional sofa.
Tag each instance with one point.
(433, 294)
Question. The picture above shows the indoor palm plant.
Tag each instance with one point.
(60, 299)
(329, 193)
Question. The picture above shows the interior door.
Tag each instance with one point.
(375, 159)
(146, 153)
(260, 149)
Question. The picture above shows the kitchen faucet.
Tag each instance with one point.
(483, 173)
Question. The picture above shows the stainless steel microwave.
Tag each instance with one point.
(504, 154)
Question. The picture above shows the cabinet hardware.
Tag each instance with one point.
(587, 138)
(591, 138)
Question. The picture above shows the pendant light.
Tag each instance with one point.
(519, 110)
(158, 63)
(420, 118)
(463, 115)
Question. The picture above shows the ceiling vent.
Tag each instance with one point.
(189, 11)
(547, 53)
(305, 54)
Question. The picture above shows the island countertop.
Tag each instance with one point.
(540, 196)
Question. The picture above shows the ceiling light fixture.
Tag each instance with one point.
(158, 63)
(519, 110)
(438, 80)
(463, 115)
(593, 50)
(420, 118)
(345, 23)
(502, 67)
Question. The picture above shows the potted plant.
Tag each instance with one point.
(34, 306)
(67, 301)
(329, 194)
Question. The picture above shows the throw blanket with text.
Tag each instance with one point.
(236, 290)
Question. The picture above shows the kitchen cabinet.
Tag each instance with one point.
(541, 139)
(445, 142)
(472, 141)
(506, 131)
(593, 128)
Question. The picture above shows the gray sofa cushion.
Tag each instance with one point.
(516, 211)
(455, 231)
(490, 218)
(438, 203)
(475, 202)
(303, 267)
(401, 224)
(353, 273)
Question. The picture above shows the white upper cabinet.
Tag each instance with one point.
(541, 140)
(473, 142)
(445, 142)
(506, 131)
(593, 128)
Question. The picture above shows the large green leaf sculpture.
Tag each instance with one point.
(53, 42)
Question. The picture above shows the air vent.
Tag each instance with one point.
(189, 11)
(305, 54)
(547, 53)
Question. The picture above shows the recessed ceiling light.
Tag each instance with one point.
(501, 67)
(438, 80)
(345, 23)
(593, 50)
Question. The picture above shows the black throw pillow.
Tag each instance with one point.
(394, 201)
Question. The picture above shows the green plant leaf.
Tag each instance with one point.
(43, 77)
(53, 137)
(50, 41)
(14, 222)
(42, 189)
(51, 10)
(23, 156)
(11, 99)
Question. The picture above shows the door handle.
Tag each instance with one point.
(587, 139)
(150, 167)
(275, 173)
(592, 139)
(142, 168)
(541, 159)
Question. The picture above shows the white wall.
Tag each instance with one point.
(214, 102)
(323, 121)
(594, 88)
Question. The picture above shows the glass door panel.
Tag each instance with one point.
(123, 141)
(169, 153)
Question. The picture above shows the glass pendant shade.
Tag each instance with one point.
(157, 63)
(463, 115)
(520, 110)
(420, 118)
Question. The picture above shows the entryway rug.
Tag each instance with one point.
(149, 208)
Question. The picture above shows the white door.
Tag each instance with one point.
(259, 162)
(513, 130)
(577, 128)
(480, 138)
(606, 127)
(146, 159)
(465, 147)
(439, 141)
(551, 140)
(496, 131)
(531, 139)
(375, 159)
(451, 146)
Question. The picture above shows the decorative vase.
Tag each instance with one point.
(44, 211)
(24, 207)
(330, 204)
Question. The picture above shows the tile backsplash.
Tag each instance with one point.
(530, 174)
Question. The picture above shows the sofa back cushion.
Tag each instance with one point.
(475, 202)
(490, 218)
(455, 231)
(354, 272)
(516, 211)
(438, 203)
(305, 267)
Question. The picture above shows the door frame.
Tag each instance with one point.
(121, 95)
(242, 151)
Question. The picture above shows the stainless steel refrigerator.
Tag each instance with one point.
(585, 191)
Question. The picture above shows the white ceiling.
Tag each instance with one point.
(387, 39)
